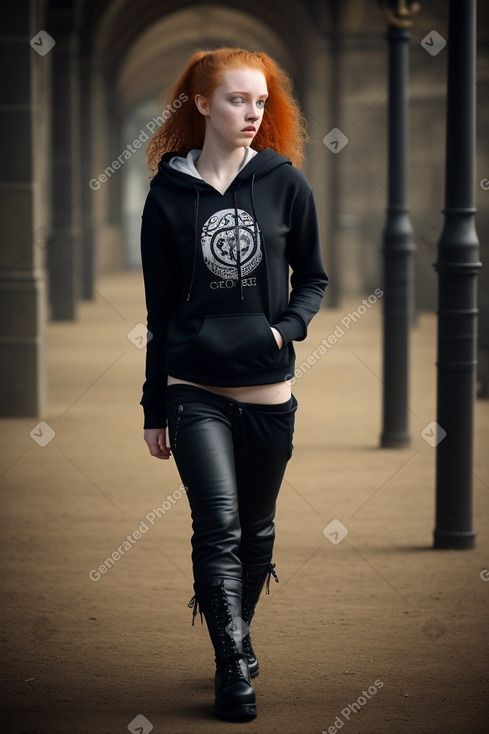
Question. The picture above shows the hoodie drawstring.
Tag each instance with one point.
(238, 245)
(255, 234)
(196, 237)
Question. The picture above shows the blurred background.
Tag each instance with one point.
(81, 81)
(79, 99)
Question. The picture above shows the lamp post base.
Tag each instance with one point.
(455, 540)
(395, 440)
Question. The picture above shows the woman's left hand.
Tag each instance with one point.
(278, 337)
(158, 441)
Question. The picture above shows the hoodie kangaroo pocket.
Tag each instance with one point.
(236, 342)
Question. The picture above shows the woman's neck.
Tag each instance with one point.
(219, 167)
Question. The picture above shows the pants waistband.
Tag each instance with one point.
(175, 393)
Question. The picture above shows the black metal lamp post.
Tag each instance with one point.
(398, 245)
(457, 267)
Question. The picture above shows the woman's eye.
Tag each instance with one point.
(261, 103)
(237, 100)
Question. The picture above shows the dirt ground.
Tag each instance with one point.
(373, 633)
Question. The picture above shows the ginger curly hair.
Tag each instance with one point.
(283, 127)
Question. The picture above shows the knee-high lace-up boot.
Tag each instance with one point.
(254, 577)
(220, 603)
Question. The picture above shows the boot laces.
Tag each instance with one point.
(271, 572)
(230, 666)
(229, 660)
(194, 605)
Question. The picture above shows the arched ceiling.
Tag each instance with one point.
(156, 56)
(117, 27)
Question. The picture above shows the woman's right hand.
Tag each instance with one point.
(158, 441)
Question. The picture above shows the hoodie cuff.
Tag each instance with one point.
(154, 418)
(292, 328)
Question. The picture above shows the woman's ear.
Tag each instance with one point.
(202, 105)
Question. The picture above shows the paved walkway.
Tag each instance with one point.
(375, 632)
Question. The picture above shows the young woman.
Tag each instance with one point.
(228, 213)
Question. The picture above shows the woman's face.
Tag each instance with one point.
(235, 110)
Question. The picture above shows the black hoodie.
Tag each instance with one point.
(216, 276)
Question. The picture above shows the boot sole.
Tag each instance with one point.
(245, 712)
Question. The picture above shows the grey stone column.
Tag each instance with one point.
(65, 252)
(316, 62)
(22, 283)
(87, 223)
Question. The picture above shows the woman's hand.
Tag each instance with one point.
(278, 337)
(158, 442)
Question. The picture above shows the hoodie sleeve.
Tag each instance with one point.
(161, 275)
(308, 279)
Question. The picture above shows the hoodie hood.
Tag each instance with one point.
(259, 166)
(188, 164)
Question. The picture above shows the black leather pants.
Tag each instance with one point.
(231, 456)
